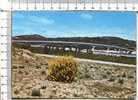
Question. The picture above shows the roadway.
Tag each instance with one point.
(92, 61)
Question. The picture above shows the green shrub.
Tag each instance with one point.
(43, 87)
(112, 79)
(130, 76)
(16, 91)
(121, 81)
(62, 69)
(36, 92)
(43, 73)
(124, 74)
(104, 76)
(108, 72)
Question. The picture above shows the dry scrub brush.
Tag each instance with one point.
(62, 69)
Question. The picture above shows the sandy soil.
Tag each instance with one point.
(93, 80)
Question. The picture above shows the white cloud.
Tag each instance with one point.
(86, 16)
(42, 20)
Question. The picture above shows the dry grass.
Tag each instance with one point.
(62, 69)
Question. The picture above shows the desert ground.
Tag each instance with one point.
(93, 80)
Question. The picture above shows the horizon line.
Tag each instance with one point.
(75, 36)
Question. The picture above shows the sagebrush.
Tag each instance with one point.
(62, 69)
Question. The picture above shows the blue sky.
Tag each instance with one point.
(75, 24)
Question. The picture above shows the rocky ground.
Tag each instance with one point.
(29, 74)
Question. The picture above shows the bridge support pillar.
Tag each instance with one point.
(70, 49)
(88, 50)
(52, 48)
(93, 49)
(46, 49)
(63, 49)
(108, 51)
(77, 50)
(49, 47)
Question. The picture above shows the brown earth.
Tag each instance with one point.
(29, 72)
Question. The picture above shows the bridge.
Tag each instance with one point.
(78, 47)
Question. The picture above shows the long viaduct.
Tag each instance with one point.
(80, 47)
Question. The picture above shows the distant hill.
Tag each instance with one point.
(116, 41)
(30, 37)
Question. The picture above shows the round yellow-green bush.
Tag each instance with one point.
(62, 69)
